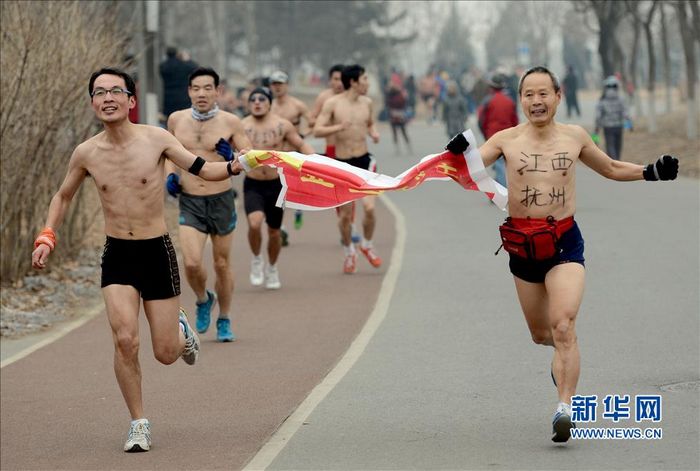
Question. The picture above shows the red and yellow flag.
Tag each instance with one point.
(314, 182)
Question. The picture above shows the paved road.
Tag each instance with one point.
(451, 380)
(60, 407)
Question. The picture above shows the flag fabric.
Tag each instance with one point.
(314, 182)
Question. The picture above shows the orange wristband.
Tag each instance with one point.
(47, 237)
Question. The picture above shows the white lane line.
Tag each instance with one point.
(59, 332)
(289, 427)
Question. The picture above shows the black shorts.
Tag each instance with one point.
(261, 195)
(149, 265)
(570, 247)
(210, 214)
(365, 162)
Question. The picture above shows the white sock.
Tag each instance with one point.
(135, 421)
(564, 407)
(366, 244)
(258, 258)
(349, 249)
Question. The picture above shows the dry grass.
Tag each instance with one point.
(642, 147)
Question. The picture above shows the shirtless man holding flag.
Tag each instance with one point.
(543, 240)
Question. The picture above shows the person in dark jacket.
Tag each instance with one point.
(175, 74)
(496, 113)
(612, 116)
(570, 91)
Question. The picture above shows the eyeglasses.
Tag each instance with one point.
(258, 99)
(115, 91)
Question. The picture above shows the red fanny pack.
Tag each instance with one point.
(533, 239)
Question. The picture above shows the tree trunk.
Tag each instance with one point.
(638, 113)
(651, 81)
(667, 59)
(690, 69)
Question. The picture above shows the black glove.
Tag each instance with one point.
(458, 144)
(666, 168)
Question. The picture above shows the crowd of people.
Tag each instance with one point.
(205, 133)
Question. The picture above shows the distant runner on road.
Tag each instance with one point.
(207, 209)
(543, 239)
(349, 117)
(126, 162)
(262, 185)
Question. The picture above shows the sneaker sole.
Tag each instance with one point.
(137, 449)
(562, 429)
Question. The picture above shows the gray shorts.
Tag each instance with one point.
(210, 214)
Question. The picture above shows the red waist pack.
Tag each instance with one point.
(533, 239)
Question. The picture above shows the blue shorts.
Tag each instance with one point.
(570, 249)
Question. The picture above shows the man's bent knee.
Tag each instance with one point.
(542, 337)
(166, 354)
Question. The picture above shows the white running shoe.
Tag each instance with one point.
(272, 278)
(256, 271)
(139, 437)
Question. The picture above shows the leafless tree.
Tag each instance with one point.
(608, 14)
(48, 50)
(689, 39)
(666, 56)
(645, 20)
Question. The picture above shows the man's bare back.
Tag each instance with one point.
(200, 137)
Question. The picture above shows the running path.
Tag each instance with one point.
(452, 380)
(61, 408)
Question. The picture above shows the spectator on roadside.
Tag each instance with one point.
(612, 116)
(496, 113)
(396, 103)
(175, 72)
(455, 110)
(570, 92)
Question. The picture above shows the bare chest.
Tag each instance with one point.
(356, 114)
(542, 177)
(288, 111)
(200, 135)
(267, 136)
(125, 172)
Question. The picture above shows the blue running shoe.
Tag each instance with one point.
(204, 312)
(561, 426)
(223, 330)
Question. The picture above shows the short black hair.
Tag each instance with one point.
(335, 68)
(350, 73)
(128, 80)
(171, 51)
(202, 71)
(539, 69)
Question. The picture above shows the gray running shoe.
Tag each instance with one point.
(191, 351)
(561, 426)
(139, 437)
